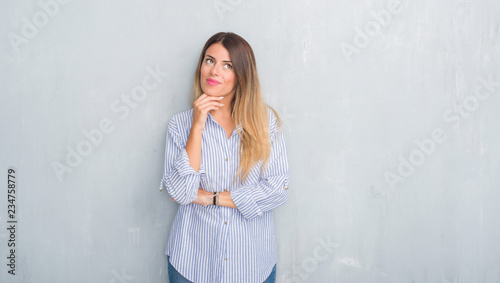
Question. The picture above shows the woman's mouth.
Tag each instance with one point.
(212, 82)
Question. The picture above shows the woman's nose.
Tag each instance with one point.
(215, 70)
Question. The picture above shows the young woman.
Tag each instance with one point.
(226, 165)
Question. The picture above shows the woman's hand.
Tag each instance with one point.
(204, 198)
(202, 106)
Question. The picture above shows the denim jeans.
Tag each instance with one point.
(175, 277)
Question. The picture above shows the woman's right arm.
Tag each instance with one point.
(200, 113)
(179, 179)
(193, 148)
(181, 176)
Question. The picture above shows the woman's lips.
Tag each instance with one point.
(212, 82)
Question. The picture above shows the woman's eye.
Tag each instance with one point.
(228, 66)
(209, 61)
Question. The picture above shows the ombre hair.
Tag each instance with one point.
(247, 107)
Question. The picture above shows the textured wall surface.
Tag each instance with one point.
(391, 112)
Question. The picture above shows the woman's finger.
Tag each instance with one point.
(204, 99)
(210, 106)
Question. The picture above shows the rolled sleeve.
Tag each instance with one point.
(181, 164)
(179, 179)
(272, 189)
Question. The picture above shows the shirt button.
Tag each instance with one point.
(225, 159)
(286, 188)
(161, 189)
(225, 222)
(225, 259)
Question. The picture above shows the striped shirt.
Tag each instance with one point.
(216, 243)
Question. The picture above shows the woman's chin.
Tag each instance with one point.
(211, 93)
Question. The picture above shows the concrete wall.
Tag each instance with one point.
(391, 111)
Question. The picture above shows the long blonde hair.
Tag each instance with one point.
(247, 107)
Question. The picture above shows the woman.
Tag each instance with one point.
(226, 165)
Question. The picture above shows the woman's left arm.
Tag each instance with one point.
(272, 189)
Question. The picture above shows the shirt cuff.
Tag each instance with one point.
(244, 200)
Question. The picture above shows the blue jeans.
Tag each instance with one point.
(175, 277)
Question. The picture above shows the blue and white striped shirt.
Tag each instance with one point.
(216, 243)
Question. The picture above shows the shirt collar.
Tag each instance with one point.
(239, 127)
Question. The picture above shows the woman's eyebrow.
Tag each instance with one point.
(216, 60)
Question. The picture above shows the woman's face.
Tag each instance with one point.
(217, 76)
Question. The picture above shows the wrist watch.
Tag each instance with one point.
(216, 198)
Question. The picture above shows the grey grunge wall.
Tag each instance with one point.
(390, 109)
